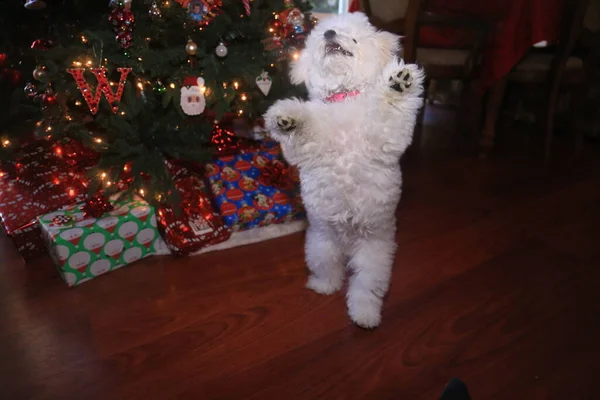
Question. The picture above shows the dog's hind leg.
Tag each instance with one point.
(325, 261)
(372, 266)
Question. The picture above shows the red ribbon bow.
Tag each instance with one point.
(96, 206)
(278, 175)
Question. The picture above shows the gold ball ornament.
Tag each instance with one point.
(39, 73)
(191, 48)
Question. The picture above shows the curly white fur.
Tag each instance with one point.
(348, 154)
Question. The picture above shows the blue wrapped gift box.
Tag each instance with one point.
(245, 194)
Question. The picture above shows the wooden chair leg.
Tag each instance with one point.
(430, 93)
(492, 109)
(552, 102)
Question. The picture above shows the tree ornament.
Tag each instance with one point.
(154, 11)
(221, 50)
(48, 98)
(247, 7)
(192, 96)
(30, 90)
(40, 73)
(191, 47)
(122, 19)
(35, 4)
(41, 44)
(103, 86)
(159, 87)
(264, 82)
(295, 17)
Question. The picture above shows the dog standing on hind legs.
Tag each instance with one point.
(347, 141)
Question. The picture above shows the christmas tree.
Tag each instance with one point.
(141, 82)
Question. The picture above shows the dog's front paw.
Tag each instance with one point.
(283, 118)
(285, 123)
(402, 80)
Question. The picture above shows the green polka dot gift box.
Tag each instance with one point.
(83, 247)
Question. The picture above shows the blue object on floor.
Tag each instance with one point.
(455, 390)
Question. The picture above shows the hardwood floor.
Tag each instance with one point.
(497, 282)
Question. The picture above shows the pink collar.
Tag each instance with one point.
(339, 97)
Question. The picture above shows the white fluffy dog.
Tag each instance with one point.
(347, 142)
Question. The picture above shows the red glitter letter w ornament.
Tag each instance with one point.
(103, 87)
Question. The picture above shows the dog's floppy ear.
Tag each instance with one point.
(389, 43)
(299, 69)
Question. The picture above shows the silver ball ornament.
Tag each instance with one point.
(30, 90)
(39, 73)
(35, 4)
(191, 48)
(221, 50)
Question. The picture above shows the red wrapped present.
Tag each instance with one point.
(196, 224)
(45, 178)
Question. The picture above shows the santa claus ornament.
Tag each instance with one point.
(192, 96)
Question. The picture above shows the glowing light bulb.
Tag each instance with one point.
(122, 113)
(68, 118)
(236, 85)
(126, 168)
(112, 84)
(244, 98)
(271, 30)
(77, 103)
(172, 86)
(139, 58)
(83, 39)
(49, 129)
(72, 192)
(38, 124)
(98, 140)
(240, 112)
(140, 85)
(103, 175)
(108, 183)
(88, 63)
(142, 192)
(203, 89)
(58, 151)
(6, 143)
(295, 56)
(77, 63)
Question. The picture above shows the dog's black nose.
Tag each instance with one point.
(329, 34)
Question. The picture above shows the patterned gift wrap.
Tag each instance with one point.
(83, 247)
(245, 194)
(44, 178)
(196, 225)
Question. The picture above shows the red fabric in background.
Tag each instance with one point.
(515, 26)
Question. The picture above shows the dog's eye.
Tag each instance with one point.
(354, 40)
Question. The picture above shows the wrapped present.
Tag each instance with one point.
(83, 246)
(246, 193)
(44, 178)
(196, 224)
